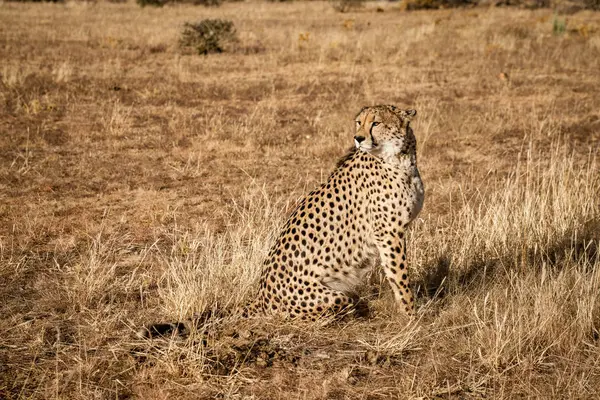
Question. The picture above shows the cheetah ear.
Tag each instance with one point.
(406, 116)
(409, 114)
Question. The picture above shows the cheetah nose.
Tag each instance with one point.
(359, 139)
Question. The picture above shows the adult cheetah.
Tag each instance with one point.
(337, 233)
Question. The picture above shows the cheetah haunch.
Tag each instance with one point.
(342, 229)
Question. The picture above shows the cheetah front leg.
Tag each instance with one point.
(392, 250)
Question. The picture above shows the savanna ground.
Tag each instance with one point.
(142, 184)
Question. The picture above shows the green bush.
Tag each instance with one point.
(208, 36)
(435, 4)
(559, 25)
(152, 3)
(206, 3)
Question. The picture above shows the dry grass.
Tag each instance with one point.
(141, 184)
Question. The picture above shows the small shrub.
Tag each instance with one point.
(160, 3)
(208, 35)
(151, 3)
(344, 6)
(206, 3)
(435, 4)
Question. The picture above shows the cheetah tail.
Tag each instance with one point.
(179, 328)
(184, 328)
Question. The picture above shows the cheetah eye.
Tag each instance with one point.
(358, 124)
(375, 124)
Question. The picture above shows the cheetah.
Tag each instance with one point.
(341, 230)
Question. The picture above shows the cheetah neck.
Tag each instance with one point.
(391, 153)
(400, 160)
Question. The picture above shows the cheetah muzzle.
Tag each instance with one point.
(353, 222)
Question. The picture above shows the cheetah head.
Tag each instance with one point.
(384, 131)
